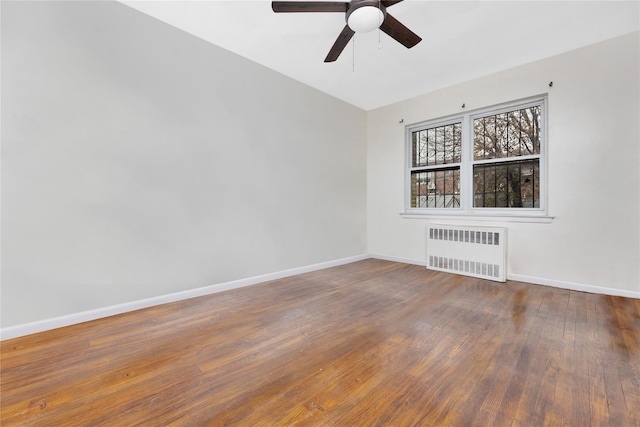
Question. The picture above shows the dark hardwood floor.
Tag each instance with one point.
(373, 343)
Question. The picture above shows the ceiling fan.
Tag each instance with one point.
(361, 16)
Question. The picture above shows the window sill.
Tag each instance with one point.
(461, 216)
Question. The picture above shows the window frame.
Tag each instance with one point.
(467, 163)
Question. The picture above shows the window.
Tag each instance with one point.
(489, 161)
(435, 175)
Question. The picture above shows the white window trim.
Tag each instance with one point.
(466, 209)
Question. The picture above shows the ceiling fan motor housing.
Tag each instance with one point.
(365, 15)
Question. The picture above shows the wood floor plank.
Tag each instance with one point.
(364, 344)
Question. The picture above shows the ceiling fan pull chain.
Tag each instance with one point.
(379, 23)
(353, 54)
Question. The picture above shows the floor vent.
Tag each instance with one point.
(472, 251)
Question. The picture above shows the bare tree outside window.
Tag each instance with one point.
(502, 142)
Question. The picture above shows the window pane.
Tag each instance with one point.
(435, 189)
(511, 134)
(507, 185)
(437, 146)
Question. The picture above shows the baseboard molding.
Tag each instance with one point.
(399, 259)
(574, 286)
(536, 280)
(85, 316)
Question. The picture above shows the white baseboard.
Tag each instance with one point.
(71, 319)
(536, 280)
(399, 259)
(574, 286)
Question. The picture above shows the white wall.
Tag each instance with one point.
(138, 161)
(594, 163)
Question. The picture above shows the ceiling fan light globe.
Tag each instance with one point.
(365, 19)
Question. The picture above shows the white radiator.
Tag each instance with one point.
(472, 251)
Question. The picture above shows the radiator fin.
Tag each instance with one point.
(465, 266)
(466, 236)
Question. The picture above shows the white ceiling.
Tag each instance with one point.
(462, 40)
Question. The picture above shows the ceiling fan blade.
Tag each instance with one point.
(387, 3)
(340, 44)
(402, 34)
(309, 6)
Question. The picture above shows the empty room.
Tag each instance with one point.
(320, 213)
